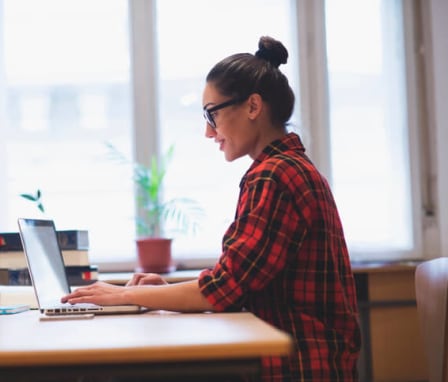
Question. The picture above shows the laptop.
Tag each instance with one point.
(47, 272)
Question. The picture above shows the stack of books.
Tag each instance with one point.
(75, 252)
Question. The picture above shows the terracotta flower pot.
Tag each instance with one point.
(154, 255)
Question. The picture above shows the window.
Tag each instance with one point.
(199, 169)
(66, 75)
(65, 92)
(368, 117)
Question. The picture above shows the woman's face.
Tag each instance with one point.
(232, 132)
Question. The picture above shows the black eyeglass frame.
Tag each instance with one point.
(208, 112)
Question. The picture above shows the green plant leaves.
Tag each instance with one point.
(36, 198)
(181, 214)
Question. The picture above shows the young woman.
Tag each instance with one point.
(284, 256)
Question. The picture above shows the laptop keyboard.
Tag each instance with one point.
(69, 308)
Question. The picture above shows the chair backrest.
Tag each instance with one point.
(431, 287)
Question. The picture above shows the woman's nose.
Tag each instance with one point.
(209, 131)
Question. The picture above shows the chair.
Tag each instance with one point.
(431, 287)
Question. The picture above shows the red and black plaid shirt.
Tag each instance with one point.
(285, 259)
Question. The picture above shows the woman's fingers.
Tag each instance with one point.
(146, 279)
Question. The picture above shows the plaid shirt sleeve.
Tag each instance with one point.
(255, 247)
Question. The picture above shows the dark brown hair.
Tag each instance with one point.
(243, 74)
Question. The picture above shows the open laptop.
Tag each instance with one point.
(47, 271)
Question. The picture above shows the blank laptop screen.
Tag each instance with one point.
(44, 260)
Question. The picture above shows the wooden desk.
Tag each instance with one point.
(388, 313)
(155, 344)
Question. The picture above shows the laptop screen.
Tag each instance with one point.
(44, 259)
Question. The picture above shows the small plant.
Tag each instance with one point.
(36, 199)
(181, 214)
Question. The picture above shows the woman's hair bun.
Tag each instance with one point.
(272, 50)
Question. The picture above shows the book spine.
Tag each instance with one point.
(10, 241)
(81, 275)
(16, 259)
(68, 240)
(15, 277)
(76, 275)
(73, 239)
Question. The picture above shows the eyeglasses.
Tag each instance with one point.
(208, 112)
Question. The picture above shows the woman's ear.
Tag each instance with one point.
(255, 105)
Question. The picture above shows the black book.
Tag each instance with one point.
(68, 240)
(77, 275)
(19, 276)
(81, 275)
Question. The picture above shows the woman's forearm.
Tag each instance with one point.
(179, 297)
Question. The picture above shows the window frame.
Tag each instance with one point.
(309, 17)
(427, 89)
(315, 111)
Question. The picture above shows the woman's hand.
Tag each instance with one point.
(149, 290)
(146, 279)
(100, 293)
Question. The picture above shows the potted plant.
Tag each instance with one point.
(155, 213)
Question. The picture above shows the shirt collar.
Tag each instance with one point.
(290, 141)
